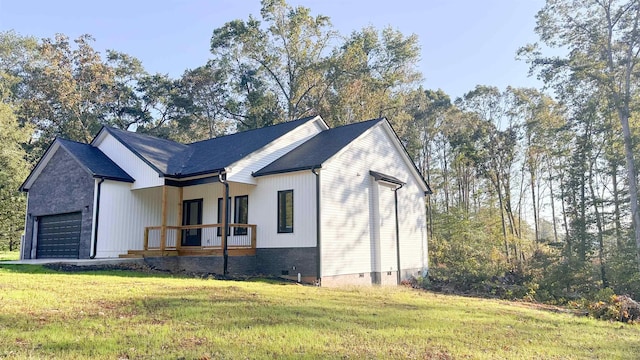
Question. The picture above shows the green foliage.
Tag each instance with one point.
(14, 170)
(291, 64)
(463, 251)
(9, 255)
(606, 305)
(279, 64)
(623, 274)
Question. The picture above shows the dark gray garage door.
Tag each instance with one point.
(59, 236)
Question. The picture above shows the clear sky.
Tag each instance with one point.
(464, 42)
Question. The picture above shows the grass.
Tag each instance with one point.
(126, 315)
(6, 255)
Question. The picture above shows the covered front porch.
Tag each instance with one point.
(186, 227)
(197, 240)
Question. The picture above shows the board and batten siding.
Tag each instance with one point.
(125, 212)
(263, 208)
(241, 170)
(210, 193)
(143, 174)
(348, 208)
(387, 252)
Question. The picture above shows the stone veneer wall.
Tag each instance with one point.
(279, 262)
(285, 263)
(63, 186)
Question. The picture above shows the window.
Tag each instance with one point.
(241, 214)
(219, 230)
(285, 211)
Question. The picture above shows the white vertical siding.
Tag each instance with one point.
(124, 213)
(143, 174)
(347, 208)
(263, 204)
(388, 245)
(209, 193)
(242, 169)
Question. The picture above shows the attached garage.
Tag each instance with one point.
(59, 236)
(59, 221)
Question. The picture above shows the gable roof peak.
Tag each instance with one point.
(315, 151)
(172, 159)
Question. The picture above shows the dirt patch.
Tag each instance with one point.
(150, 270)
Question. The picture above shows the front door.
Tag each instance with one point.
(192, 215)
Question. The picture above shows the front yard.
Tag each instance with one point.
(127, 315)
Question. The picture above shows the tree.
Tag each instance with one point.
(14, 170)
(285, 60)
(205, 96)
(602, 39)
(372, 75)
(66, 91)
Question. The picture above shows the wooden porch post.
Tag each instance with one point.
(179, 237)
(163, 227)
(222, 178)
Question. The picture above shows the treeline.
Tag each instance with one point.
(533, 187)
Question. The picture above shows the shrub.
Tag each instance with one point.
(615, 308)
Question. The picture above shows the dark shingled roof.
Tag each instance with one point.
(220, 152)
(314, 152)
(95, 161)
(173, 159)
(378, 176)
(160, 154)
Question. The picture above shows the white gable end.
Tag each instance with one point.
(144, 175)
(241, 170)
(354, 208)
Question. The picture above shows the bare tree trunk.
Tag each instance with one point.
(595, 201)
(502, 220)
(621, 99)
(631, 178)
(532, 172)
(616, 207)
(564, 210)
(553, 207)
(520, 198)
(445, 178)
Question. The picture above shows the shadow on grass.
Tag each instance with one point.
(81, 270)
(109, 270)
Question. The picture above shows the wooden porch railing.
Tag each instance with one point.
(241, 236)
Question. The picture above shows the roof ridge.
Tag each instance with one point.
(72, 141)
(303, 119)
(134, 133)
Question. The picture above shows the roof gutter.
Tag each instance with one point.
(95, 224)
(318, 227)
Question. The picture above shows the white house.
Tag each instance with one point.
(336, 206)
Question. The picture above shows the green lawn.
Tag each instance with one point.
(124, 315)
(9, 255)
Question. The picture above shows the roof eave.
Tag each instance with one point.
(35, 169)
(378, 176)
(284, 171)
(191, 175)
(114, 178)
(130, 148)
